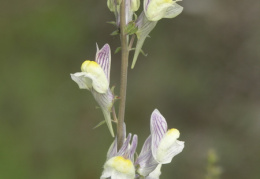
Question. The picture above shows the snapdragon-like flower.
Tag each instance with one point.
(153, 11)
(164, 142)
(120, 164)
(95, 77)
(159, 148)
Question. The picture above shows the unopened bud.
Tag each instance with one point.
(111, 5)
(135, 4)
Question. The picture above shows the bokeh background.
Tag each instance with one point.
(202, 72)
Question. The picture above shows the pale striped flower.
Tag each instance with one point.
(95, 77)
(159, 148)
(120, 164)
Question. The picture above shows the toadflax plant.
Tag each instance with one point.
(162, 144)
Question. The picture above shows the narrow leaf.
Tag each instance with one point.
(118, 49)
(116, 32)
(112, 22)
(100, 124)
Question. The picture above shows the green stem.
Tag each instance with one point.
(124, 67)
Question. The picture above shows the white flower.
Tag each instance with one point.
(120, 164)
(159, 148)
(95, 77)
(164, 142)
(118, 168)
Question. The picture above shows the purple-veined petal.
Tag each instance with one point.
(129, 12)
(112, 149)
(146, 148)
(133, 147)
(124, 149)
(144, 28)
(145, 160)
(105, 101)
(158, 128)
(146, 3)
(173, 11)
(103, 58)
(156, 173)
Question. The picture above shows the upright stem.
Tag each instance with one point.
(124, 67)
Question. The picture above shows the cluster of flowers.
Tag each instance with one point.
(153, 11)
(159, 148)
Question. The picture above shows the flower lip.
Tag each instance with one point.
(122, 164)
(87, 65)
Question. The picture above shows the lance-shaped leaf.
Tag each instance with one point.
(154, 10)
(144, 28)
(106, 102)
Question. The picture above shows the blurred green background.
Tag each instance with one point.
(202, 72)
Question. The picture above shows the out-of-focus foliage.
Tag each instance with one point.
(202, 72)
(213, 170)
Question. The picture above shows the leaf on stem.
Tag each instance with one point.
(118, 49)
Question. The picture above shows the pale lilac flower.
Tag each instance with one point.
(153, 11)
(120, 164)
(95, 77)
(159, 148)
(164, 142)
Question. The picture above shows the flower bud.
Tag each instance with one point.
(111, 5)
(135, 4)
